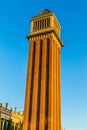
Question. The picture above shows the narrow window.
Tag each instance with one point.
(38, 24)
(34, 26)
(45, 23)
(48, 22)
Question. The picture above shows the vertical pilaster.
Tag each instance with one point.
(50, 105)
(35, 89)
(54, 85)
(39, 86)
(43, 86)
(28, 87)
(59, 89)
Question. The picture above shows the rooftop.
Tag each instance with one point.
(43, 13)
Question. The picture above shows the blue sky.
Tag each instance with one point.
(14, 47)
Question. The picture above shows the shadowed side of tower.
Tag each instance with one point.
(42, 110)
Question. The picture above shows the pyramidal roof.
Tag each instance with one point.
(44, 12)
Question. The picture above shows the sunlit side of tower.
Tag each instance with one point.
(42, 110)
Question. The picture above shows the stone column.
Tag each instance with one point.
(2, 124)
(14, 126)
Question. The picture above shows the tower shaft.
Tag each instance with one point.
(43, 93)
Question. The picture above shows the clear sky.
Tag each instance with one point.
(14, 47)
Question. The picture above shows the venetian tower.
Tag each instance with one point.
(42, 109)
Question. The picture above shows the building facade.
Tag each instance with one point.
(42, 109)
(17, 119)
(6, 115)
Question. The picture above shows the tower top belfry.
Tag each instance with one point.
(45, 22)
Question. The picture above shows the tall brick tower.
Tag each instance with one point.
(42, 109)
